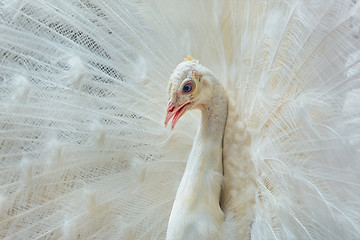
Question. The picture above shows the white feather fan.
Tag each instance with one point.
(85, 155)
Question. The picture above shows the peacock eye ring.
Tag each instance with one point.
(187, 88)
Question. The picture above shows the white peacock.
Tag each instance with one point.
(273, 153)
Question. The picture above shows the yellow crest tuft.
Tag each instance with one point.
(189, 58)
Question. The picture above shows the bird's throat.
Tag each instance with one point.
(196, 212)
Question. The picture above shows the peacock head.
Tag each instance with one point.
(189, 88)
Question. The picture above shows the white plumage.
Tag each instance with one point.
(197, 213)
(85, 155)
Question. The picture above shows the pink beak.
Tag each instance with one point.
(176, 111)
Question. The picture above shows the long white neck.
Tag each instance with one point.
(196, 212)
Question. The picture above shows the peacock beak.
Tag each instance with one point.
(176, 111)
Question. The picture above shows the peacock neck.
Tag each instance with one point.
(205, 158)
(199, 192)
(209, 138)
(214, 115)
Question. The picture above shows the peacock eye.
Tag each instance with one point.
(187, 88)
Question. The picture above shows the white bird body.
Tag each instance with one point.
(196, 213)
(84, 153)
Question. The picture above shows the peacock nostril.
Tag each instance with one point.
(170, 107)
